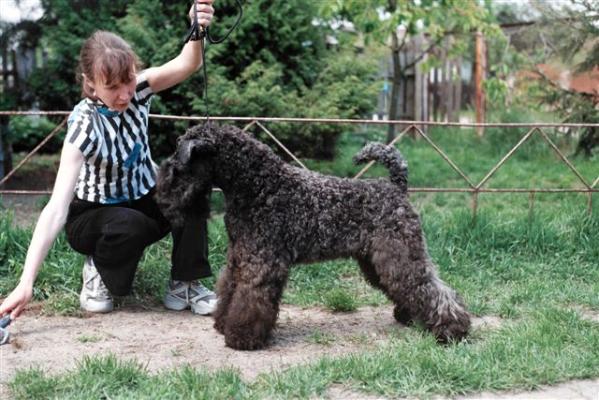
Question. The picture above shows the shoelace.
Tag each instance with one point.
(200, 289)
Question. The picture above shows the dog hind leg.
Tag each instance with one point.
(413, 284)
(400, 312)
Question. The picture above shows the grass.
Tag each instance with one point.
(341, 300)
(535, 269)
(322, 338)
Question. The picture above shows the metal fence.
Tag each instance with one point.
(415, 128)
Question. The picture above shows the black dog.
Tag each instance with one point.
(278, 215)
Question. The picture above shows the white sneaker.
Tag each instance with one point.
(94, 297)
(181, 295)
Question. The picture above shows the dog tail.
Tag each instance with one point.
(390, 157)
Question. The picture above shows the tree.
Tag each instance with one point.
(271, 65)
(23, 36)
(381, 19)
(570, 33)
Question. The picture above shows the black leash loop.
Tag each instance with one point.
(198, 32)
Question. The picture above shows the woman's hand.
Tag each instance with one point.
(16, 301)
(204, 11)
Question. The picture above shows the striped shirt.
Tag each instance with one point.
(118, 165)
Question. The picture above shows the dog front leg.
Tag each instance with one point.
(254, 306)
(225, 287)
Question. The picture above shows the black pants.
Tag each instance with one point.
(116, 235)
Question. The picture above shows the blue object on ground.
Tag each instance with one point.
(4, 322)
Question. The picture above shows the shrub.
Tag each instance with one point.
(26, 132)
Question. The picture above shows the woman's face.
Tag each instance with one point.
(116, 96)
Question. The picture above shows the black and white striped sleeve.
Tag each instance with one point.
(81, 132)
(143, 91)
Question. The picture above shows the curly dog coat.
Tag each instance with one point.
(278, 215)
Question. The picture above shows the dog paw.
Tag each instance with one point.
(452, 331)
(403, 316)
(244, 343)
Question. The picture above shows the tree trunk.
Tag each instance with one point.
(458, 88)
(5, 149)
(588, 141)
(395, 87)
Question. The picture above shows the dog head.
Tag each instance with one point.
(185, 178)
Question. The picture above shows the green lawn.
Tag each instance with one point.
(537, 270)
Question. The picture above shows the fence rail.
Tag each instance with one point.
(413, 127)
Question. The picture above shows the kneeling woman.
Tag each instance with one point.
(105, 183)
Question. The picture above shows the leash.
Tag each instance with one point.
(198, 32)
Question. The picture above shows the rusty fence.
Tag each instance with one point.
(415, 128)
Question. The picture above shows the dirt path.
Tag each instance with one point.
(165, 339)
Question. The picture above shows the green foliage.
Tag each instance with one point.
(26, 132)
(496, 91)
(65, 26)
(344, 89)
(274, 64)
(429, 22)
(570, 31)
(436, 18)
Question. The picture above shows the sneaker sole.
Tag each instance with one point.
(94, 306)
(174, 303)
(203, 309)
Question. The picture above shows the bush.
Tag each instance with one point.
(345, 89)
(26, 132)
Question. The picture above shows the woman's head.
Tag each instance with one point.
(107, 68)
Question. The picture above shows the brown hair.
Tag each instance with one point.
(106, 56)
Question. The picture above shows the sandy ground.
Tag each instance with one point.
(163, 339)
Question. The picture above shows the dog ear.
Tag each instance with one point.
(188, 148)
